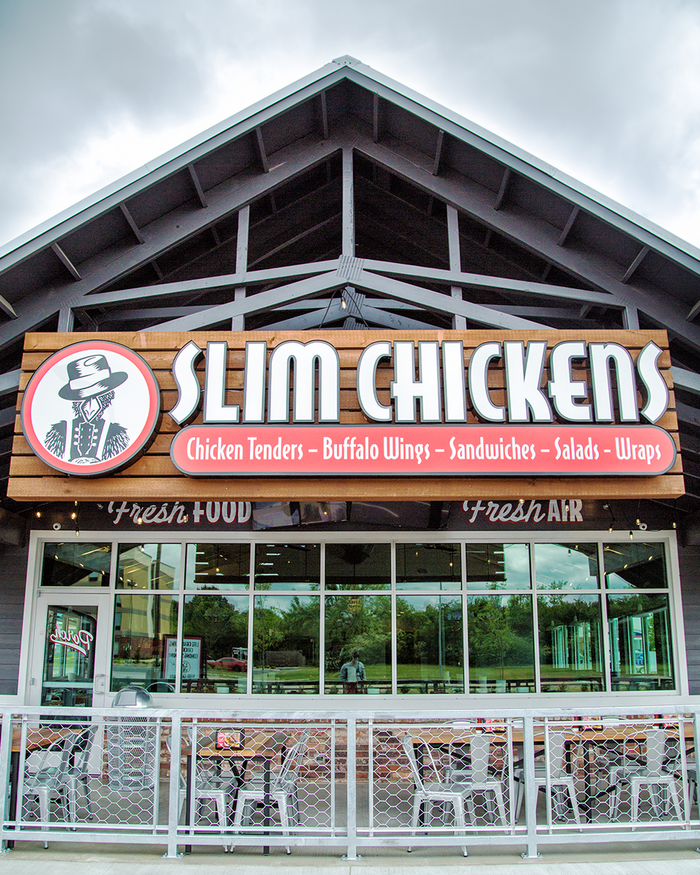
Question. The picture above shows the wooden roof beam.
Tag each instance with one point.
(438, 153)
(568, 226)
(65, 261)
(502, 191)
(260, 147)
(324, 116)
(259, 303)
(175, 227)
(199, 191)
(530, 232)
(131, 223)
(635, 264)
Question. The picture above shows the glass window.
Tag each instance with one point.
(76, 564)
(358, 623)
(358, 566)
(501, 646)
(566, 566)
(428, 566)
(635, 565)
(498, 566)
(571, 659)
(429, 644)
(215, 643)
(148, 566)
(640, 642)
(218, 566)
(287, 566)
(142, 625)
(286, 644)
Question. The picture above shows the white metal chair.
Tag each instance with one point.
(47, 777)
(426, 793)
(552, 774)
(283, 791)
(207, 786)
(476, 779)
(660, 783)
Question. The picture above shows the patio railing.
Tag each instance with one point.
(348, 780)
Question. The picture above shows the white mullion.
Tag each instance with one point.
(604, 620)
(394, 648)
(535, 617)
(181, 617)
(322, 622)
(251, 617)
(465, 612)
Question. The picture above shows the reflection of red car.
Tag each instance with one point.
(228, 663)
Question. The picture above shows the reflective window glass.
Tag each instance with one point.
(566, 566)
(358, 644)
(286, 644)
(76, 564)
(428, 566)
(501, 644)
(148, 566)
(635, 565)
(571, 651)
(142, 625)
(640, 642)
(214, 644)
(430, 652)
(218, 566)
(358, 566)
(287, 566)
(498, 566)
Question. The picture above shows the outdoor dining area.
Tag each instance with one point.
(138, 774)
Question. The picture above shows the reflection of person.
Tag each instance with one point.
(89, 437)
(352, 673)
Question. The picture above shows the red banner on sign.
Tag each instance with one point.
(422, 450)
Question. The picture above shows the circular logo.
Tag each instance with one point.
(91, 408)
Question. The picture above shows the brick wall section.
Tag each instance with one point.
(13, 574)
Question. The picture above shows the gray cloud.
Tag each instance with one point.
(607, 91)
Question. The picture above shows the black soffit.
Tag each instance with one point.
(427, 221)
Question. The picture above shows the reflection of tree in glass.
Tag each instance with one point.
(217, 620)
(287, 624)
(358, 623)
(500, 632)
(421, 628)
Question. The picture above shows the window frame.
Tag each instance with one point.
(313, 536)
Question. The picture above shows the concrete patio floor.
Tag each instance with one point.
(662, 858)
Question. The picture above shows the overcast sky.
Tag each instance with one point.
(606, 90)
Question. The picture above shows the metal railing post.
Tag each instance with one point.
(5, 753)
(351, 778)
(174, 786)
(530, 787)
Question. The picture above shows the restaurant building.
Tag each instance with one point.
(348, 373)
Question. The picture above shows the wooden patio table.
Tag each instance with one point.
(260, 749)
(594, 735)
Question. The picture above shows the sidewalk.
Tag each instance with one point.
(656, 859)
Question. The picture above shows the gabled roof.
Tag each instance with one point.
(349, 200)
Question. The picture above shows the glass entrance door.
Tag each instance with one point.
(70, 654)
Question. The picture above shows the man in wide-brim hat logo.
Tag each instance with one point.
(90, 408)
(92, 439)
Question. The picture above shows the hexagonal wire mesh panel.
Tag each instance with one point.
(446, 779)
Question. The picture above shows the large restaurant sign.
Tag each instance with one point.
(553, 405)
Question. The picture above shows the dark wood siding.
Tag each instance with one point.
(13, 574)
(689, 560)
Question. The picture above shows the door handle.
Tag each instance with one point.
(99, 683)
